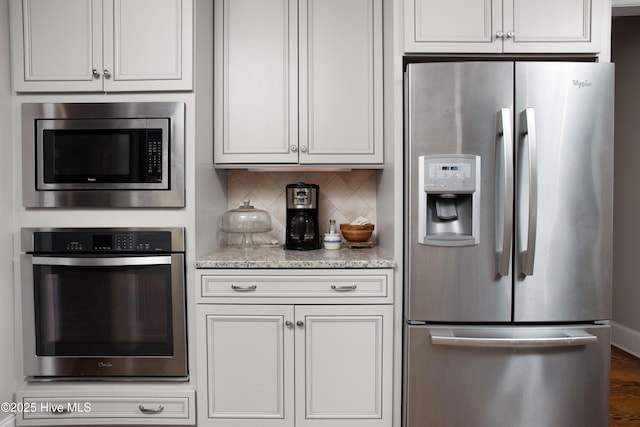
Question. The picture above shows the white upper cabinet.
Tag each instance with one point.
(256, 81)
(504, 26)
(341, 81)
(298, 82)
(102, 45)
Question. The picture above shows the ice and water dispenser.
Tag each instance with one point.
(449, 200)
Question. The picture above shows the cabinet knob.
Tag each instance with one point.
(288, 324)
(294, 148)
(303, 148)
(107, 74)
(510, 34)
(95, 73)
(300, 323)
(499, 34)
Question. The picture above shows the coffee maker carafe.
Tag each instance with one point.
(302, 217)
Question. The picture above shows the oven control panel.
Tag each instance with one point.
(103, 241)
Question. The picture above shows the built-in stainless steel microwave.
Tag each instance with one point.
(103, 154)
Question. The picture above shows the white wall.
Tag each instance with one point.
(626, 233)
(6, 216)
(211, 184)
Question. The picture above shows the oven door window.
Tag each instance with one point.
(103, 311)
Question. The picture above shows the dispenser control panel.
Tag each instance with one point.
(449, 203)
(449, 174)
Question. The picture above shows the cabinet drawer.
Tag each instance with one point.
(334, 287)
(83, 410)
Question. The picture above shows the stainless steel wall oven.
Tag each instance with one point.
(104, 304)
(103, 154)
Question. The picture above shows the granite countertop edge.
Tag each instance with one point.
(265, 258)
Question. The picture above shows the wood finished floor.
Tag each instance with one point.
(625, 389)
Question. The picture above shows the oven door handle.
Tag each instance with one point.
(103, 262)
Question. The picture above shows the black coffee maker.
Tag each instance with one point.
(302, 217)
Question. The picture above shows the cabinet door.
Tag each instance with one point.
(256, 81)
(553, 26)
(56, 44)
(249, 368)
(453, 26)
(341, 81)
(509, 26)
(148, 45)
(344, 365)
(102, 45)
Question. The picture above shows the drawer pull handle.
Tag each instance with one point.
(146, 410)
(344, 288)
(243, 288)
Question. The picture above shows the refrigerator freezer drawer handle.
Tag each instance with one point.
(505, 131)
(530, 132)
(569, 339)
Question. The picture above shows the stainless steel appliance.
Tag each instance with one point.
(508, 241)
(103, 154)
(102, 303)
(302, 231)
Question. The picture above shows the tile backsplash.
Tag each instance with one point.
(343, 196)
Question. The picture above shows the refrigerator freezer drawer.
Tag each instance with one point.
(524, 376)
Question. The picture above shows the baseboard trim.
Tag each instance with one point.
(9, 421)
(625, 338)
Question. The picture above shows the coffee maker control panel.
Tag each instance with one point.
(302, 196)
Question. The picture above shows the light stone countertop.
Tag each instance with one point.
(277, 257)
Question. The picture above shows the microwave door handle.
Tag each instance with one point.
(102, 262)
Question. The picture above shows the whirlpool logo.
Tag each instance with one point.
(580, 84)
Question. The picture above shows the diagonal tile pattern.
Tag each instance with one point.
(344, 196)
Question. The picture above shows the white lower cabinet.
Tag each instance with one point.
(245, 349)
(294, 364)
(343, 365)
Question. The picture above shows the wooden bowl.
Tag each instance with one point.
(356, 232)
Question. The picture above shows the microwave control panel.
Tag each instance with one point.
(154, 153)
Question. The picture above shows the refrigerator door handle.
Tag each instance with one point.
(529, 133)
(505, 131)
(566, 339)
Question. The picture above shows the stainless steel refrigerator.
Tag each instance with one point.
(508, 244)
